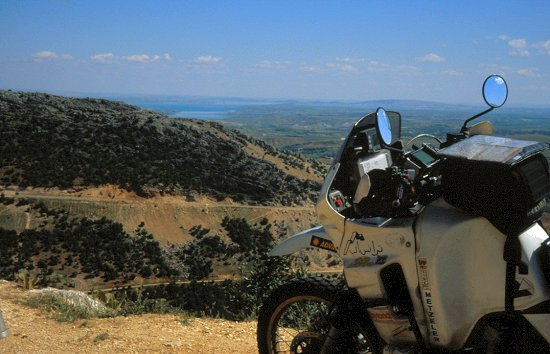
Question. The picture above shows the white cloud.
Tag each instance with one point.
(505, 70)
(103, 58)
(374, 66)
(341, 64)
(518, 46)
(139, 58)
(272, 65)
(520, 52)
(144, 58)
(345, 64)
(208, 59)
(452, 72)
(543, 47)
(502, 70)
(517, 43)
(310, 69)
(432, 57)
(407, 69)
(47, 55)
(377, 67)
(528, 72)
(349, 60)
(348, 68)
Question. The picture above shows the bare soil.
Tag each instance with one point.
(33, 331)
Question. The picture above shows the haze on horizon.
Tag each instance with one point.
(353, 50)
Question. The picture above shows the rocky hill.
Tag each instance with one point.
(53, 141)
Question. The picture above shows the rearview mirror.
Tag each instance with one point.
(495, 91)
(383, 126)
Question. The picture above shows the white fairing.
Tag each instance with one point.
(332, 221)
(370, 245)
(298, 242)
(462, 272)
(367, 247)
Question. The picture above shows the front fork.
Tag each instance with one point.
(343, 329)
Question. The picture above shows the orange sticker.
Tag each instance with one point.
(323, 243)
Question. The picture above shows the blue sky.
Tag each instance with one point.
(360, 50)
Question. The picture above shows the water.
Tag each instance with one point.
(196, 111)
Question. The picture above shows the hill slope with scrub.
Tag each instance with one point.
(53, 141)
(96, 193)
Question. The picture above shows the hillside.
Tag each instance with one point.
(78, 243)
(95, 193)
(52, 141)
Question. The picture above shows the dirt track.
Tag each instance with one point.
(169, 218)
(32, 331)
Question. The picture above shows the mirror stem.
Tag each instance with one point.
(463, 129)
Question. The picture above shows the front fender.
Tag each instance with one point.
(315, 237)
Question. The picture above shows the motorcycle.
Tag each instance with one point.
(442, 246)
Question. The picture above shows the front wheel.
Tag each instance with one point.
(297, 317)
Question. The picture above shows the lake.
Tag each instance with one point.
(196, 111)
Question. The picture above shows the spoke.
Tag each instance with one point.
(299, 323)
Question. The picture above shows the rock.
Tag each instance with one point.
(76, 298)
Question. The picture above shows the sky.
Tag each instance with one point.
(330, 50)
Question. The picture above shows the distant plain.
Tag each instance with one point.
(316, 128)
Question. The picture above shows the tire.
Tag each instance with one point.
(295, 319)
